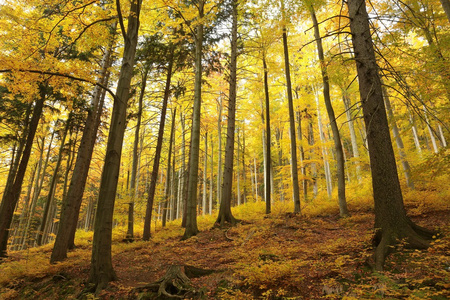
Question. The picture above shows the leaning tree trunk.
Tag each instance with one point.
(343, 211)
(194, 155)
(391, 222)
(446, 7)
(12, 195)
(151, 191)
(102, 272)
(225, 215)
(71, 204)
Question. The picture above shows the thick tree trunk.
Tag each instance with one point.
(343, 211)
(191, 209)
(12, 195)
(102, 272)
(225, 215)
(391, 222)
(446, 7)
(151, 191)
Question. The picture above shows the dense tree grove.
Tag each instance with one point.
(126, 114)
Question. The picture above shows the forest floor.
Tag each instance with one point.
(276, 256)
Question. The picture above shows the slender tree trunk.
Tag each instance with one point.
(294, 168)
(135, 162)
(71, 204)
(391, 222)
(155, 170)
(343, 211)
(191, 212)
(351, 128)
(324, 151)
(268, 142)
(102, 272)
(211, 178)
(244, 173)
(219, 150)
(225, 215)
(52, 186)
(430, 130)
(12, 195)
(302, 157)
(238, 176)
(167, 188)
(398, 140)
(205, 174)
(415, 134)
(256, 180)
(311, 151)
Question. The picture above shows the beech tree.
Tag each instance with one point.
(102, 272)
(391, 222)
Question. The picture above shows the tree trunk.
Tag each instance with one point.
(205, 174)
(191, 209)
(391, 222)
(343, 211)
(446, 7)
(225, 215)
(52, 186)
(167, 188)
(135, 162)
(211, 178)
(70, 207)
(326, 164)
(101, 271)
(302, 157)
(219, 150)
(151, 191)
(430, 130)
(268, 142)
(351, 128)
(294, 167)
(12, 195)
(398, 140)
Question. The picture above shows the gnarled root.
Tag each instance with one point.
(175, 284)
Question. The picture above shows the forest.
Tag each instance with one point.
(226, 149)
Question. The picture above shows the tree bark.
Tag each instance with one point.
(268, 142)
(205, 176)
(71, 203)
(135, 162)
(225, 215)
(12, 195)
(351, 128)
(446, 7)
(343, 211)
(294, 169)
(398, 140)
(101, 271)
(151, 191)
(52, 186)
(191, 209)
(168, 176)
(391, 222)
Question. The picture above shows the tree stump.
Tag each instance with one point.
(175, 284)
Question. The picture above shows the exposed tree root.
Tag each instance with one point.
(175, 284)
(415, 238)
